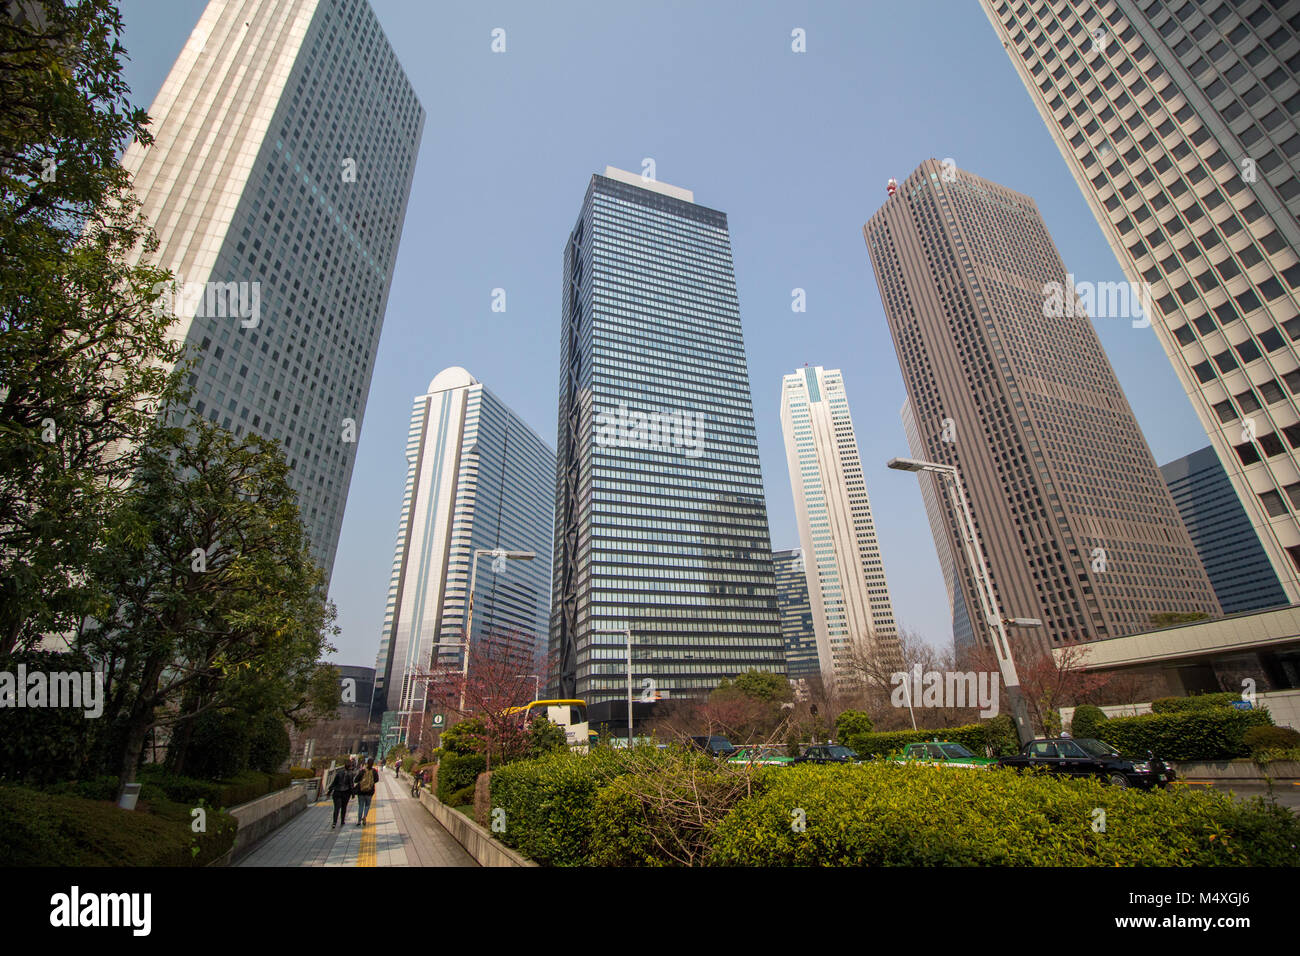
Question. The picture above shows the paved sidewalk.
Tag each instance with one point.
(398, 832)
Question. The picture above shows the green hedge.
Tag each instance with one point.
(51, 829)
(1205, 734)
(882, 814)
(240, 788)
(456, 774)
(998, 733)
(1265, 738)
(1172, 705)
(549, 803)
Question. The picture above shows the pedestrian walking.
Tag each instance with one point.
(366, 781)
(341, 789)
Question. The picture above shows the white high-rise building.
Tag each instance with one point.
(477, 478)
(285, 139)
(851, 610)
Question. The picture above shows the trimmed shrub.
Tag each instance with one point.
(464, 797)
(1174, 705)
(998, 733)
(157, 782)
(1268, 755)
(42, 745)
(883, 814)
(549, 803)
(1204, 734)
(301, 773)
(1258, 739)
(1088, 721)
(456, 773)
(50, 829)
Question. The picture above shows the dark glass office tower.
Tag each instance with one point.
(661, 523)
(801, 659)
(1239, 570)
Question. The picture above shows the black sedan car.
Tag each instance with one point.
(1087, 757)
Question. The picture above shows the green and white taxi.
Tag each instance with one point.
(943, 753)
(761, 756)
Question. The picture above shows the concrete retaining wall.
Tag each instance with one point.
(1244, 770)
(260, 818)
(477, 841)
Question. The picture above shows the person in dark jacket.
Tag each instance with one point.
(341, 788)
(367, 779)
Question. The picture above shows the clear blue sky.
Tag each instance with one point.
(795, 148)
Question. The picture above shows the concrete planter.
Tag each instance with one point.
(260, 818)
(474, 838)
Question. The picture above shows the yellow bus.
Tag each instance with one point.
(568, 714)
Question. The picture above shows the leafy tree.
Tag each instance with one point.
(208, 591)
(852, 723)
(764, 686)
(84, 357)
(268, 745)
(494, 686)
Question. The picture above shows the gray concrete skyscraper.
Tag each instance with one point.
(1076, 523)
(285, 139)
(1181, 124)
(660, 518)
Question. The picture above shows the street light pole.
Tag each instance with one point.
(987, 596)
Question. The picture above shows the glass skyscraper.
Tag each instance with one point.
(661, 523)
(801, 660)
(1238, 568)
(285, 139)
(477, 478)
